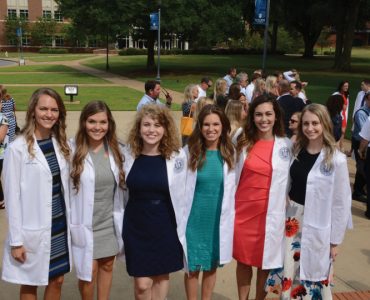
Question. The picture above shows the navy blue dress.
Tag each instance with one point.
(149, 231)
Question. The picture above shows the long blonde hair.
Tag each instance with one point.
(233, 112)
(170, 141)
(82, 142)
(329, 144)
(58, 130)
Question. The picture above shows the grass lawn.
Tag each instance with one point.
(117, 98)
(37, 68)
(49, 78)
(39, 57)
(179, 70)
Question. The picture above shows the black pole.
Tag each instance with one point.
(266, 35)
(107, 56)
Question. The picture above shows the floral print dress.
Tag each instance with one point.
(285, 281)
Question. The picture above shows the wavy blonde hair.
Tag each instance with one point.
(329, 144)
(233, 112)
(197, 144)
(82, 142)
(170, 141)
(58, 131)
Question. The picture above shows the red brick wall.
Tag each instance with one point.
(34, 9)
(3, 13)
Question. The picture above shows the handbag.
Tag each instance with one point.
(186, 125)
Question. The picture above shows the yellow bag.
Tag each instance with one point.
(186, 126)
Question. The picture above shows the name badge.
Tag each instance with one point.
(179, 165)
(325, 169)
(284, 153)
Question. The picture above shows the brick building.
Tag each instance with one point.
(29, 10)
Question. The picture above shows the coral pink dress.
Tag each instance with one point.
(251, 202)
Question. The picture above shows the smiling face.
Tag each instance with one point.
(97, 127)
(211, 130)
(293, 123)
(264, 118)
(154, 93)
(151, 131)
(345, 87)
(46, 114)
(312, 127)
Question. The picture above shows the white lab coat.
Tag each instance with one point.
(273, 252)
(327, 214)
(82, 209)
(176, 174)
(28, 199)
(227, 212)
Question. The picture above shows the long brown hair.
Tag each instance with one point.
(197, 144)
(59, 128)
(82, 142)
(250, 131)
(170, 141)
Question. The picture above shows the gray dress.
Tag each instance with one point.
(105, 241)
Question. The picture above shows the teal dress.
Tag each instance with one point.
(203, 227)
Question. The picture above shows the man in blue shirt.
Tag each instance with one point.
(152, 92)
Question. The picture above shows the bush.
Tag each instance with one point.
(53, 51)
(329, 52)
(133, 51)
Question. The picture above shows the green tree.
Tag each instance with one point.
(11, 26)
(42, 31)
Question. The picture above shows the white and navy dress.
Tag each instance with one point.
(59, 255)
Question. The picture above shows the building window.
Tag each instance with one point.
(12, 42)
(12, 14)
(26, 41)
(58, 16)
(59, 41)
(46, 14)
(23, 14)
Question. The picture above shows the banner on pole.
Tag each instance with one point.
(260, 13)
(154, 21)
(18, 31)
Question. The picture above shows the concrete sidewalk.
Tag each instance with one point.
(352, 268)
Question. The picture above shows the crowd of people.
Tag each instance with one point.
(261, 179)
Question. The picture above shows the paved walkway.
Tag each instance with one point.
(352, 268)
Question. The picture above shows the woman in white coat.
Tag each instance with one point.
(263, 168)
(36, 187)
(155, 171)
(96, 197)
(318, 212)
(210, 189)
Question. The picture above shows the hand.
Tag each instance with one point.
(334, 251)
(19, 254)
(168, 98)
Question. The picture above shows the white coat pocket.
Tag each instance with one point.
(78, 235)
(32, 239)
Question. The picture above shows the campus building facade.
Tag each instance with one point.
(31, 11)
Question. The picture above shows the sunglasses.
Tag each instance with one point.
(293, 121)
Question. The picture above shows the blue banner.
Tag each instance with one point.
(19, 32)
(154, 21)
(260, 12)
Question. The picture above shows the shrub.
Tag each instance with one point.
(53, 51)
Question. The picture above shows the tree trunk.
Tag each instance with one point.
(349, 33)
(339, 28)
(310, 40)
(150, 63)
(275, 26)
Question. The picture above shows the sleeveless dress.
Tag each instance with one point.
(251, 203)
(105, 241)
(59, 255)
(149, 233)
(203, 226)
(8, 110)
